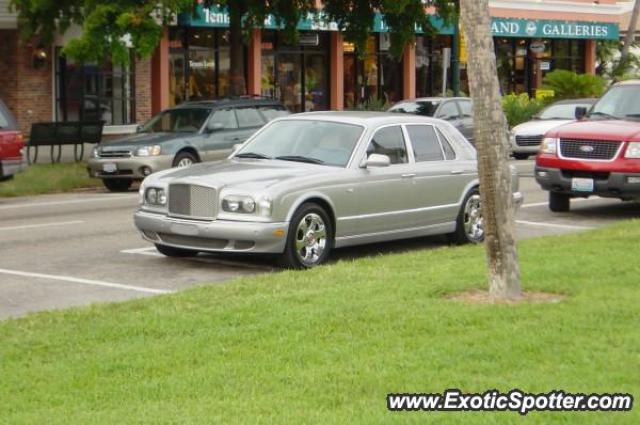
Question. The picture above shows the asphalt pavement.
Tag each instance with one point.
(59, 251)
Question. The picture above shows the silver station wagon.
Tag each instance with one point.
(308, 183)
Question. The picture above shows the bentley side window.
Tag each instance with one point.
(449, 153)
(389, 141)
(424, 143)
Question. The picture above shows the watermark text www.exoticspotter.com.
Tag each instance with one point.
(454, 400)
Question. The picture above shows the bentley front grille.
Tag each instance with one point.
(192, 201)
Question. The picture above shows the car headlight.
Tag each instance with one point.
(633, 150)
(94, 153)
(549, 145)
(149, 150)
(239, 204)
(155, 196)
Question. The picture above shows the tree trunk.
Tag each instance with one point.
(628, 39)
(491, 139)
(237, 83)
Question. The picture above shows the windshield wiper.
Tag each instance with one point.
(633, 115)
(603, 114)
(251, 155)
(299, 158)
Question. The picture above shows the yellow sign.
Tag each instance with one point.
(542, 93)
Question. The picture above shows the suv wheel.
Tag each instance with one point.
(559, 202)
(184, 159)
(117, 185)
(309, 239)
(170, 251)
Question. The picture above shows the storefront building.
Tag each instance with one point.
(320, 71)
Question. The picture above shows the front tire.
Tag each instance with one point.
(559, 202)
(184, 159)
(469, 224)
(309, 239)
(170, 251)
(117, 185)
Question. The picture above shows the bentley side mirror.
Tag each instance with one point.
(213, 126)
(376, 160)
(581, 112)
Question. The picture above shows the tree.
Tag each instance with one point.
(491, 139)
(628, 40)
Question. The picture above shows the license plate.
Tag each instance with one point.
(184, 229)
(582, 184)
(109, 167)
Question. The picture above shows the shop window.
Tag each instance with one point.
(90, 92)
(296, 74)
(373, 75)
(199, 64)
(429, 72)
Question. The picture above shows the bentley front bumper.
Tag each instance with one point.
(212, 236)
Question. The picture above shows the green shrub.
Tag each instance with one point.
(519, 108)
(372, 105)
(569, 85)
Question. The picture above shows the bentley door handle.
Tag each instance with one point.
(408, 176)
(457, 171)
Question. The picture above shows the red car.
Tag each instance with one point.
(599, 154)
(11, 145)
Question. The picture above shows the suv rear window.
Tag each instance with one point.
(249, 117)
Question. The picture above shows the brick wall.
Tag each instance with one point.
(26, 91)
(143, 90)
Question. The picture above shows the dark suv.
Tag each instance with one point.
(11, 145)
(180, 136)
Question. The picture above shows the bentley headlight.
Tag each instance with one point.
(153, 150)
(549, 145)
(94, 153)
(633, 150)
(239, 204)
(155, 196)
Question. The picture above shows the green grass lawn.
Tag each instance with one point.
(48, 178)
(326, 346)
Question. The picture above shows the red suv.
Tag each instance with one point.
(11, 145)
(599, 154)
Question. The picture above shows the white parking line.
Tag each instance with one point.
(32, 226)
(567, 226)
(143, 251)
(106, 198)
(86, 281)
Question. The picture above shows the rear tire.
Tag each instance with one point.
(309, 239)
(559, 202)
(170, 251)
(469, 224)
(117, 185)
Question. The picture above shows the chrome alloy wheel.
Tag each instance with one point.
(473, 223)
(311, 239)
(185, 162)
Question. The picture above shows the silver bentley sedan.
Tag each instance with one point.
(308, 183)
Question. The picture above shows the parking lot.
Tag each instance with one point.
(58, 251)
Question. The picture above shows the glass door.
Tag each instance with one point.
(289, 81)
(315, 82)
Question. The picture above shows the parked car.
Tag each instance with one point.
(308, 183)
(181, 136)
(12, 158)
(526, 137)
(456, 110)
(597, 155)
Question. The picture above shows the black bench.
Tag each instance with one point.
(57, 134)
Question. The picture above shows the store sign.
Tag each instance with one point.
(218, 17)
(309, 39)
(554, 29)
(537, 47)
